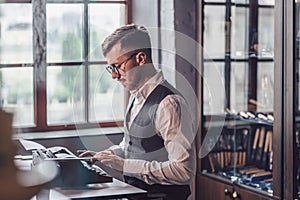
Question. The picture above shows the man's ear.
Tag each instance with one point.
(141, 58)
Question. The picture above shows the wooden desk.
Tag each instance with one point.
(113, 190)
(116, 189)
(110, 190)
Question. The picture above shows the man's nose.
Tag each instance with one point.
(115, 75)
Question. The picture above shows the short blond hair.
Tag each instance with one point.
(130, 36)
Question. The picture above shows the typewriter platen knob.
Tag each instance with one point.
(235, 195)
(227, 192)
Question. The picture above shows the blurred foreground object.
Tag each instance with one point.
(14, 183)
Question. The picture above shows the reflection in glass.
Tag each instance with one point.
(214, 32)
(107, 96)
(64, 32)
(213, 94)
(66, 1)
(65, 95)
(239, 48)
(15, 33)
(238, 86)
(266, 2)
(101, 23)
(266, 33)
(238, 118)
(106, 0)
(216, 1)
(265, 92)
(16, 94)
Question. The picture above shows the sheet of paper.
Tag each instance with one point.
(30, 145)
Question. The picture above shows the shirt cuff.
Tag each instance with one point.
(133, 168)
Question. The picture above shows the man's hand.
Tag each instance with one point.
(83, 153)
(108, 158)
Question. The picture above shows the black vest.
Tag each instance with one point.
(141, 139)
(142, 142)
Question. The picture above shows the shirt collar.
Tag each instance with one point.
(143, 92)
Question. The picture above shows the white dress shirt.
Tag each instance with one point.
(174, 124)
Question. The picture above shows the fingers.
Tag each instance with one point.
(109, 151)
(80, 151)
(110, 160)
(83, 153)
(106, 152)
(92, 153)
(107, 162)
(103, 157)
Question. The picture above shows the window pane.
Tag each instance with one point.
(241, 1)
(66, 1)
(239, 87)
(213, 88)
(239, 43)
(106, 99)
(265, 85)
(103, 19)
(64, 32)
(106, 0)
(65, 95)
(17, 94)
(214, 32)
(214, 0)
(266, 2)
(16, 33)
(266, 32)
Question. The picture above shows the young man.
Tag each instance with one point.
(157, 153)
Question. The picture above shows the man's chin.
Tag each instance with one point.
(125, 85)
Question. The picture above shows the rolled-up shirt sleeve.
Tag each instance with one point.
(174, 123)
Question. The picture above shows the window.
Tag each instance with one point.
(52, 71)
(243, 32)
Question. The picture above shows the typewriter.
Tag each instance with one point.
(74, 172)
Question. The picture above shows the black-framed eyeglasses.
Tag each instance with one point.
(115, 68)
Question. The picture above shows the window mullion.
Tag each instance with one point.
(39, 62)
(86, 59)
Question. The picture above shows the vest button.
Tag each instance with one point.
(130, 143)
